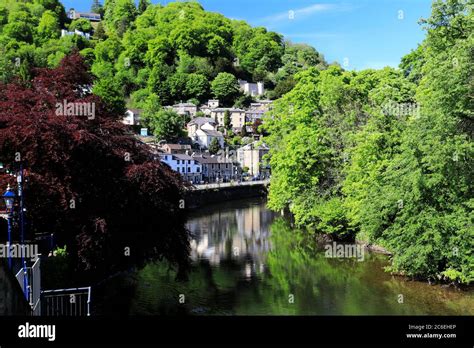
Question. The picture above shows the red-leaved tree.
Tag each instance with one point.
(88, 179)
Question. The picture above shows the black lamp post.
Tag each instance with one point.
(9, 198)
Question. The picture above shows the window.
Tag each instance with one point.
(189, 161)
(189, 170)
(198, 170)
(177, 161)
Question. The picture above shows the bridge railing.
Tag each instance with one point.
(29, 279)
(67, 302)
(229, 184)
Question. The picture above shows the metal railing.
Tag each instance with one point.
(66, 302)
(29, 279)
(34, 290)
(229, 184)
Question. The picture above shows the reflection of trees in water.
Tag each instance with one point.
(345, 286)
(295, 264)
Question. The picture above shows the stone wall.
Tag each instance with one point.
(198, 198)
(12, 301)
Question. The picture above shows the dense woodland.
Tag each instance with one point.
(384, 156)
(153, 55)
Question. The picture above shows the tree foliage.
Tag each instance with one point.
(214, 146)
(165, 125)
(88, 180)
(386, 156)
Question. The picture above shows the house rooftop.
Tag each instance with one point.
(256, 145)
(184, 104)
(230, 110)
(213, 133)
(177, 156)
(182, 156)
(211, 160)
(178, 146)
(201, 120)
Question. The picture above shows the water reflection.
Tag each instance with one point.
(241, 235)
(249, 261)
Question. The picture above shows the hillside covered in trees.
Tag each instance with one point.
(386, 156)
(152, 55)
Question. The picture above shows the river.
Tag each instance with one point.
(248, 260)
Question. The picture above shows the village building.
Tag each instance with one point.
(187, 166)
(237, 118)
(185, 109)
(199, 122)
(216, 168)
(176, 148)
(252, 89)
(251, 156)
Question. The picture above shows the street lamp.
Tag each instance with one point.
(9, 198)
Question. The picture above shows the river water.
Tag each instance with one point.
(248, 260)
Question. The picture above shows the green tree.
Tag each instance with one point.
(48, 27)
(214, 146)
(119, 15)
(167, 125)
(81, 24)
(227, 120)
(197, 86)
(225, 88)
(20, 26)
(421, 205)
(111, 93)
(97, 7)
(99, 33)
(143, 5)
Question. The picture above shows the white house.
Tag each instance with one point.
(188, 167)
(132, 117)
(184, 109)
(211, 105)
(199, 122)
(205, 136)
(64, 32)
(252, 89)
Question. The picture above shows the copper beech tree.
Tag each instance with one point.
(89, 180)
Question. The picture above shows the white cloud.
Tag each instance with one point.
(299, 13)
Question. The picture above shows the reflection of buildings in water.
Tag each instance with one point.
(241, 235)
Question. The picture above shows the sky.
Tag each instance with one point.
(359, 34)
